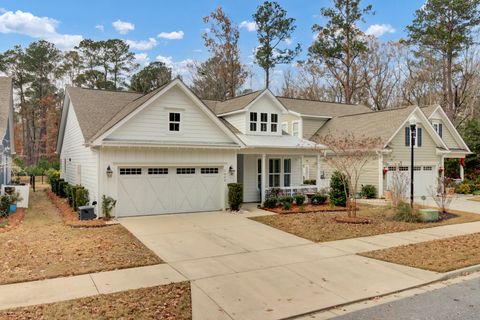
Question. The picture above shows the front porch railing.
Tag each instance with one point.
(293, 190)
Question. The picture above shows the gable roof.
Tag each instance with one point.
(94, 108)
(321, 108)
(234, 104)
(6, 87)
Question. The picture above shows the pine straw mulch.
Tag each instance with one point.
(168, 302)
(306, 208)
(44, 247)
(70, 217)
(12, 221)
(437, 255)
(321, 226)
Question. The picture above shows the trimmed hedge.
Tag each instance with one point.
(369, 191)
(235, 196)
(299, 199)
(270, 202)
(319, 198)
(338, 196)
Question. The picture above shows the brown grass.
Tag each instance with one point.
(306, 208)
(43, 247)
(320, 226)
(438, 255)
(12, 221)
(169, 302)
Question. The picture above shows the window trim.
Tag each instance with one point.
(272, 174)
(253, 123)
(297, 122)
(179, 122)
(285, 174)
(274, 124)
(263, 124)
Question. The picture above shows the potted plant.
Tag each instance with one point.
(14, 199)
(108, 203)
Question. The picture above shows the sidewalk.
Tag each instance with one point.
(264, 284)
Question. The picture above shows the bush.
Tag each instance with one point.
(319, 198)
(285, 199)
(77, 196)
(287, 206)
(108, 203)
(270, 202)
(235, 196)
(5, 202)
(299, 199)
(310, 182)
(405, 213)
(62, 188)
(463, 189)
(52, 175)
(338, 196)
(369, 191)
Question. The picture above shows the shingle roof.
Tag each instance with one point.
(5, 102)
(322, 108)
(95, 108)
(380, 124)
(234, 104)
(428, 111)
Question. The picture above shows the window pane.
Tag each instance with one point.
(172, 117)
(263, 127)
(274, 117)
(253, 116)
(287, 164)
(274, 127)
(259, 166)
(264, 117)
(253, 126)
(276, 180)
(286, 180)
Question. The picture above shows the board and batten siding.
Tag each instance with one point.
(400, 155)
(78, 162)
(117, 157)
(250, 174)
(152, 123)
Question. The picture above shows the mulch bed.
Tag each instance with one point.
(70, 217)
(168, 302)
(13, 220)
(437, 255)
(307, 208)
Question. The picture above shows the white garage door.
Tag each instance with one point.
(158, 190)
(424, 180)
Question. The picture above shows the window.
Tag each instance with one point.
(209, 170)
(253, 121)
(274, 172)
(263, 121)
(130, 171)
(157, 170)
(427, 168)
(403, 168)
(285, 126)
(287, 171)
(185, 170)
(259, 174)
(274, 122)
(174, 121)
(392, 168)
(416, 137)
(417, 168)
(295, 130)
(438, 128)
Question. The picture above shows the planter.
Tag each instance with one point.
(13, 208)
(428, 215)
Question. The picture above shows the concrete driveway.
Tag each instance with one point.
(241, 269)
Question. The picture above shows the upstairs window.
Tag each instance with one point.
(438, 128)
(274, 122)
(174, 121)
(263, 121)
(295, 129)
(253, 121)
(416, 137)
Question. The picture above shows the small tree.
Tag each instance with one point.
(398, 186)
(348, 154)
(440, 195)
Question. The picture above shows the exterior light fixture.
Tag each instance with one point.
(231, 171)
(109, 171)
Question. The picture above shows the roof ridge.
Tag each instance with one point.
(374, 112)
(315, 100)
(104, 90)
(242, 95)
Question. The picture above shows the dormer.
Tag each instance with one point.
(258, 113)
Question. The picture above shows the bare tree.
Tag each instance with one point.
(349, 153)
(440, 195)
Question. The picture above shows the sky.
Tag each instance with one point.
(170, 31)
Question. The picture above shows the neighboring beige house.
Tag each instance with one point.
(7, 146)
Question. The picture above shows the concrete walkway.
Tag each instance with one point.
(241, 269)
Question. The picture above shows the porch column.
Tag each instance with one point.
(462, 171)
(318, 172)
(380, 175)
(264, 172)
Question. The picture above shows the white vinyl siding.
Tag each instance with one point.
(79, 163)
(237, 120)
(447, 136)
(152, 123)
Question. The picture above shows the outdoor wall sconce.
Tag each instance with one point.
(109, 171)
(231, 170)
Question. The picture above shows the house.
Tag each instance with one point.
(169, 151)
(7, 147)
(436, 140)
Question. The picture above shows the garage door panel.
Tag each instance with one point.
(424, 179)
(170, 190)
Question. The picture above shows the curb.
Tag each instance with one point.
(459, 272)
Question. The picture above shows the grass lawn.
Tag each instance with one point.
(169, 302)
(320, 226)
(437, 255)
(43, 247)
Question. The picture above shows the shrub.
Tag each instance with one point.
(270, 202)
(52, 174)
(287, 206)
(108, 203)
(319, 198)
(463, 189)
(405, 213)
(369, 191)
(338, 196)
(5, 202)
(310, 182)
(299, 199)
(81, 197)
(235, 196)
(62, 188)
(285, 199)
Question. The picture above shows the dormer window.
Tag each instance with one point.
(295, 128)
(274, 122)
(263, 122)
(438, 128)
(253, 121)
(174, 121)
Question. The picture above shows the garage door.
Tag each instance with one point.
(424, 179)
(158, 190)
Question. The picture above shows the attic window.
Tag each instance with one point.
(253, 121)
(438, 128)
(174, 121)
(263, 121)
(274, 122)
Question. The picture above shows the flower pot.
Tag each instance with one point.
(13, 208)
